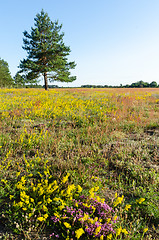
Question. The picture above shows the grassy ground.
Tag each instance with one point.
(59, 145)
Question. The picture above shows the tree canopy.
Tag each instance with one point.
(46, 52)
(5, 76)
(19, 80)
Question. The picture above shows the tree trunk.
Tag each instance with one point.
(45, 81)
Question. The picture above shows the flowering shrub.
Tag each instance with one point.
(87, 217)
(42, 201)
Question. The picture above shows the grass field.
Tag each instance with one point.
(79, 164)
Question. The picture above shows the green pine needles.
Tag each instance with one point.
(46, 52)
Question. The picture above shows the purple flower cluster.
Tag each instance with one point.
(54, 235)
(95, 217)
(99, 210)
(55, 219)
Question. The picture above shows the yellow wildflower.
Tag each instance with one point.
(91, 190)
(79, 233)
(11, 196)
(145, 230)
(98, 198)
(45, 208)
(118, 200)
(65, 178)
(109, 237)
(140, 200)
(76, 205)
(67, 225)
(108, 220)
(96, 189)
(91, 195)
(124, 231)
(102, 200)
(127, 207)
(53, 189)
(93, 208)
(79, 189)
(41, 191)
(20, 204)
(49, 200)
(86, 216)
(46, 216)
(116, 195)
(70, 189)
(115, 217)
(17, 174)
(97, 230)
(91, 220)
(57, 215)
(40, 219)
(95, 219)
(57, 199)
(23, 180)
(61, 207)
(118, 231)
(27, 202)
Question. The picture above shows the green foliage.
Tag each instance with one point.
(47, 53)
(153, 84)
(19, 80)
(5, 77)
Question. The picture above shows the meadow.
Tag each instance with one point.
(79, 164)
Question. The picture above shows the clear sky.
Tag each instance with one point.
(113, 42)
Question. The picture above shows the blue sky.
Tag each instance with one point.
(113, 42)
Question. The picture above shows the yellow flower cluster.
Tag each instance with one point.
(41, 219)
(79, 232)
(127, 207)
(37, 196)
(67, 225)
(145, 230)
(140, 200)
(120, 230)
(118, 201)
(65, 179)
(92, 192)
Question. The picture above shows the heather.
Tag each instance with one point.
(79, 164)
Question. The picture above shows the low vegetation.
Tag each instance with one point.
(79, 164)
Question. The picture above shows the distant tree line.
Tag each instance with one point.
(139, 84)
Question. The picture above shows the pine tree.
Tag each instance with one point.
(47, 53)
(5, 76)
